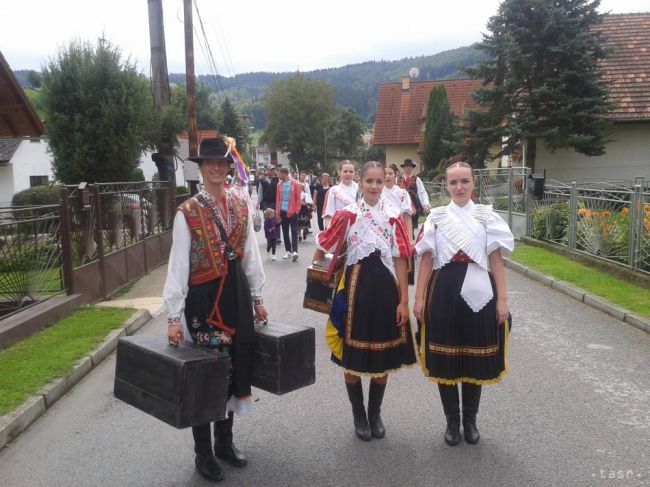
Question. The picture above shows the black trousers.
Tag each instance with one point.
(290, 244)
(270, 245)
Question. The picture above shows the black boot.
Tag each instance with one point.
(205, 462)
(361, 427)
(471, 399)
(223, 445)
(375, 397)
(451, 406)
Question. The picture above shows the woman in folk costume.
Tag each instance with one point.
(341, 195)
(213, 292)
(368, 329)
(400, 198)
(461, 298)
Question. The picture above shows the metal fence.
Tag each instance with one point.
(605, 219)
(30, 256)
(44, 249)
(610, 221)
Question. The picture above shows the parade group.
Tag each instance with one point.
(213, 292)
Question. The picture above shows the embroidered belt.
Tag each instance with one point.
(461, 258)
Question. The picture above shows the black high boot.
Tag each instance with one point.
(471, 399)
(375, 398)
(223, 445)
(361, 426)
(451, 406)
(204, 461)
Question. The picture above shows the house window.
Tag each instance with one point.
(38, 181)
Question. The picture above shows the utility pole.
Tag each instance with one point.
(164, 159)
(190, 85)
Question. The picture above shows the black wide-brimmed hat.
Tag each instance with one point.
(211, 149)
(408, 163)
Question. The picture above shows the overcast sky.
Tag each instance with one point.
(256, 35)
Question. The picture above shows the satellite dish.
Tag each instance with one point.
(414, 73)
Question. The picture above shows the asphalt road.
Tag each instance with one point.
(574, 410)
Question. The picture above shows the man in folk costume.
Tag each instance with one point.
(461, 298)
(213, 293)
(416, 190)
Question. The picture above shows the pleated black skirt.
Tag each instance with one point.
(373, 344)
(457, 344)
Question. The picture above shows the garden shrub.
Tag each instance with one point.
(550, 222)
(38, 195)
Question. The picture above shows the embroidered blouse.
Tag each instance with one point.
(399, 198)
(476, 230)
(177, 283)
(369, 228)
(338, 197)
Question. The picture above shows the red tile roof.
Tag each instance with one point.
(627, 67)
(401, 113)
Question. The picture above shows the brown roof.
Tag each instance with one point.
(17, 117)
(627, 67)
(401, 112)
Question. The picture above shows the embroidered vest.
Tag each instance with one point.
(412, 190)
(208, 259)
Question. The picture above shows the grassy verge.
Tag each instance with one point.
(613, 289)
(50, 354)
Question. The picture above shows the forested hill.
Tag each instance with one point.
(356, 85)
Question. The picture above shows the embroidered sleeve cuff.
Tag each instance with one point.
(258, 301)
(174, 320)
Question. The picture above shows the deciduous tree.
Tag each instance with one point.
(98, 113)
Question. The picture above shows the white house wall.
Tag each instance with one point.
(627, 157)
(30, 159)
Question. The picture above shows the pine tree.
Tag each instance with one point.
(541, 81)
(438, 128)
(231, 123)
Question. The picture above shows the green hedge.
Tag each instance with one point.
(38, 195)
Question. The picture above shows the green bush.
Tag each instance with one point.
(33, 258)
(550, 222)
(38, 195)
(182, 190)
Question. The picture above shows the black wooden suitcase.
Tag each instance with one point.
(182, 386)
(284, 358)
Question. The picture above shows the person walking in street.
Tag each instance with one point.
(398, 197)
(417, 192)
(320, 190)
(341, 195)
(271, 231)
(461, 299)
(368, 330)
(287, 205)
(213, 292)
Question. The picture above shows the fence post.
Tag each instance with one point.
(573, 214)
(510, 197)
(99, 239)
(636, 220)
(66, 241)
(528, 197)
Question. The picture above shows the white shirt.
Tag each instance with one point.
(399, 198)
(372, 230)
(338, 197)
(423, 196)
(178, 268)
(476, 230)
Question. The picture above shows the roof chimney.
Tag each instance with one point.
(406, 82)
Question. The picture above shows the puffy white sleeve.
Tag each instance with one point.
(178, 269)
(407, 205)
(329, 208)
(499, 236)
(427, 239)
(422, 193)
(252, 261)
